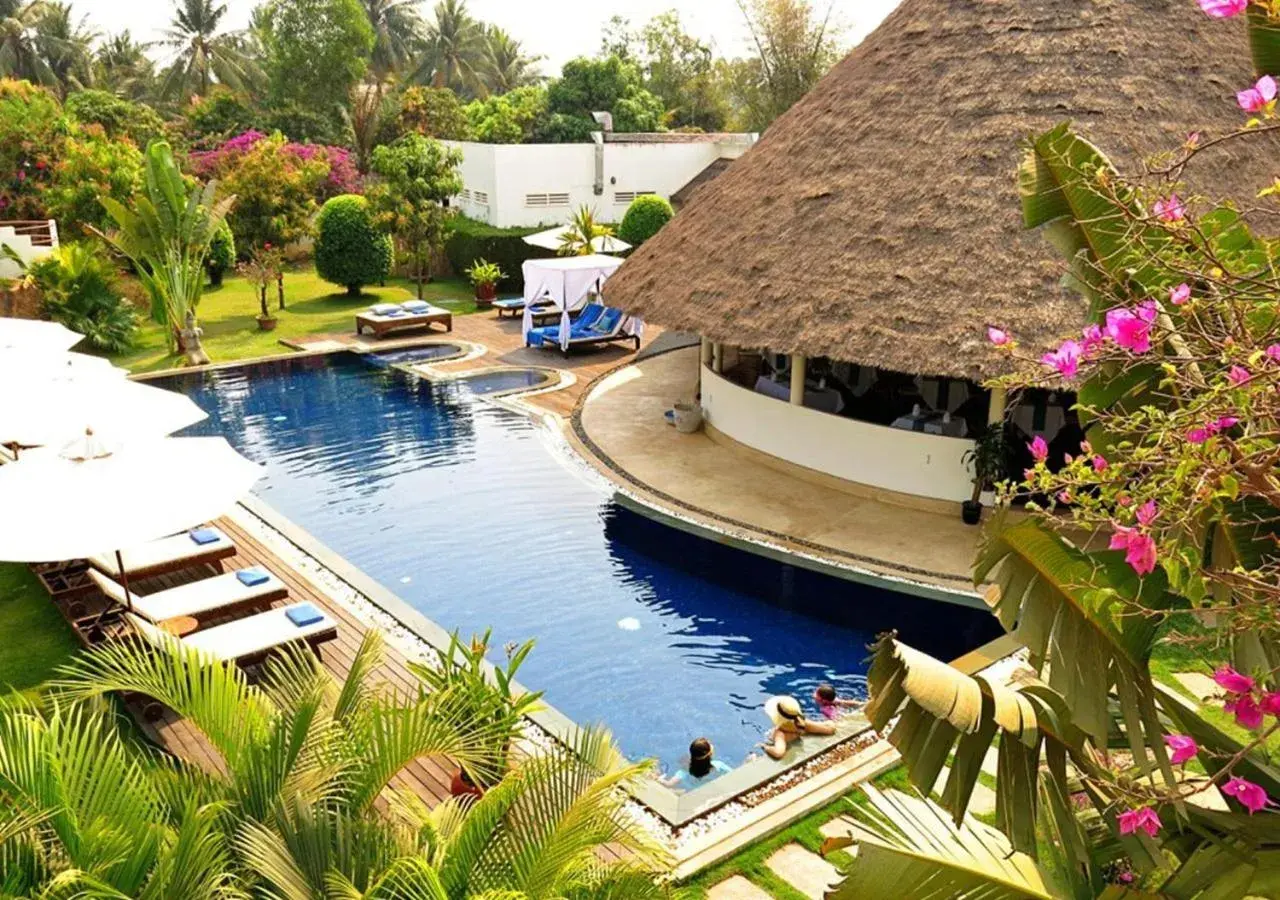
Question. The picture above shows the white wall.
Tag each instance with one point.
(22, 245)
(509, 173)
(909, 462)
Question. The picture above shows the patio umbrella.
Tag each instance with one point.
(18, 364)
(94, 496)
(49, 411)
(35, 335)
(552, 238)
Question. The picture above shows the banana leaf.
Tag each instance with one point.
(1264, 41)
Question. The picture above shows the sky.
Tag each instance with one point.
(556, 29)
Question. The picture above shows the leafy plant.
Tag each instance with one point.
(222, 254)
(989, 458)
(484, 274)
(80, 290)
(644, 218)
(582, 232)
(350, 250)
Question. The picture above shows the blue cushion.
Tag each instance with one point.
(510, 303)
(607, 322)
(394, 313)
(590, 313)
(252, 577)
(304, 615)
(204, 536)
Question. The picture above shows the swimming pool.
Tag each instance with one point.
(467, 512)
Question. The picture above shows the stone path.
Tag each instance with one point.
(737, 888)
(1200, 686)
(982, 801)
(807, 872)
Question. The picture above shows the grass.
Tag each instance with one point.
(228, 315)
(37, 639)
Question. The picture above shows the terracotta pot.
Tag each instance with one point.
(461, 785)
(267, 324)
(486, 293)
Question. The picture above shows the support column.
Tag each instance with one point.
(706, 352)
(717, 357)
(995, 413)
(797, 379)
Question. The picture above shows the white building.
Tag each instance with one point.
(29, 240)
(515, 185)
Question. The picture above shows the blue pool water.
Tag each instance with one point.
(464, 510)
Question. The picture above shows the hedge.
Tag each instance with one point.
(472, 240)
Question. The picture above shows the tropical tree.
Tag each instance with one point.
(456, 50)
(507, 67)
(66, 46)
(399, 36)
(794, 48)
(317, 51)
(1160, 530)
(203, 53)
(123, 67)
(20, 53)
(165, 231)
(582, 230)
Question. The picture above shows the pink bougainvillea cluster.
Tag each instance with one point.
(343, 177)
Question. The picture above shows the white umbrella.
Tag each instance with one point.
(18, 364)
(51, 411)
(37, 336)
(553, 238)
(93, 496)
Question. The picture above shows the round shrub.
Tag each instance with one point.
(221, 255)
(350, 251)
(644, 218)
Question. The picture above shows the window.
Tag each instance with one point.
(543, 201)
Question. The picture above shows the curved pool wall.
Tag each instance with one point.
(464, 510)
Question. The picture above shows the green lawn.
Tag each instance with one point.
(228, 315)
(34, 639)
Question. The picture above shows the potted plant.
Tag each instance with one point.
(490, 706)
(261, 270)
(484, 277)
(989, 458)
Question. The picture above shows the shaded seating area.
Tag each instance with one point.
(383, 318)
(596, 324)
(569, 288)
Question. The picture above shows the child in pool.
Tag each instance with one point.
(702, 767)
(789, 723)
(831, 706)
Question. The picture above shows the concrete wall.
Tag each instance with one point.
(909, 462)
(510, 185)
(23, 245)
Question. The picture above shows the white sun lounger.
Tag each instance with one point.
(170, 554)
(222, 594)
(252, 638)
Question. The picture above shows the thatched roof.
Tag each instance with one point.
(717, 167)
(878, 220)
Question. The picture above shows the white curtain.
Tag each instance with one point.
(566, 282)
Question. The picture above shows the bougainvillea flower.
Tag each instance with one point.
(1171, 208)
(1271, 703)
(1249, 795)
(1197, 435)
(1139, 549)
(1237, 375)
(997, 336)
(1256, 98)
(1231, 681)
(1223, 9)
(1180, 295)
(1246, 710)
(1099, 464)
(1039, 449)
(1144, 819)
(1147, 512)
(1181, 747)
(1065, 360)
(1128, 330)
(1092, 338)
(1273, 353)
(1223, 423)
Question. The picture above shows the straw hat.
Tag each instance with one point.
(782, 709)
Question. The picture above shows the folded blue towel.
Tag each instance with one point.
(204, 536)
(252, 577)
(393, 313)
(304, 615)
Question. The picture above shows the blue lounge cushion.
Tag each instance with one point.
(252, 577)
(394, 313)
(202, 536)
(607, 322)
(304, 615)
(510, 303)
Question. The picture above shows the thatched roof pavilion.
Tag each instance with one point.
(877, 222)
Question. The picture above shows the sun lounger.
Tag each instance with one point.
(220, 596)
(596, 325)
(543, 310)
(387, 317)
(171, 554)
(253, 638)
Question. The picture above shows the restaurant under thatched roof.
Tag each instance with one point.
(878, 221)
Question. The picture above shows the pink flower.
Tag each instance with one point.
(1256, 98)
(1249, 795)
(1147, 512)
(1223, 423)
(1246, 710)
(1232, 681)
(1181, 746)
(1271, 703)
(1099, 464)
(1238, 375)
(1273, 353)
(1093, 338)
(1064, 496)
(1173, 209)
(997, 336)
(1144, 819)
(1140, 549)
(1039, 449)
(1180, 295)
(1223, 9)
(1197, 435)
(1065, 360)
(1130, 328)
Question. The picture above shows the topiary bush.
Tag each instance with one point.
(350, 251)
(471, 240)
(222, 254)
(644, 218)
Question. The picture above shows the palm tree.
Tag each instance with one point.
(20, 55)
(582, 231)
(506, 65)
(123, 67)
(202, 53)
(455, 50)
(66, 46)
(399, 36)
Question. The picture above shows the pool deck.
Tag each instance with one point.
(712, 484)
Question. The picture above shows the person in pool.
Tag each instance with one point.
(831, 706)
(702, 767)
(789, 724)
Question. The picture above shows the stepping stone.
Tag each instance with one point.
(990, 762)
(982, 801)
(807, 872)
(1199, 685)
(839, 827)
(736, 888)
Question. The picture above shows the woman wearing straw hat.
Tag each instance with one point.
(789, 723)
